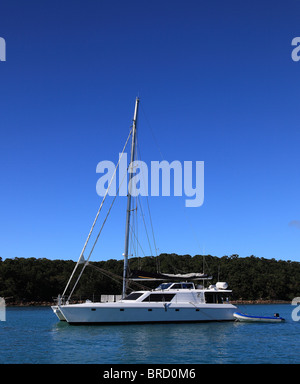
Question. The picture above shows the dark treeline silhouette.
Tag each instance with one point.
(25, 280)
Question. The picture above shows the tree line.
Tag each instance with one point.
(25, 280)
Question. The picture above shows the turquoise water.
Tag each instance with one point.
(34, 335)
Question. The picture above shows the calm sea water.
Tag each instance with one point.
(34, 335)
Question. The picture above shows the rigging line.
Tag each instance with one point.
(132, 231)
(106, 273)
(150, 218)
(133, 248)
(116, 278)
(144, 287)
(87, 260)
(148, 205)
(134, 242)
(96, 218)
(142, 214)
(151, 226)
(160, 152)
(136, 228)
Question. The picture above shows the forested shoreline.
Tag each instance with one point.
(28, 281)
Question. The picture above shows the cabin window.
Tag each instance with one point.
(176, 286)
(183, 286)
(216, 298)
(133, 296)
(188, 285)
(155, 297)
(163, 286)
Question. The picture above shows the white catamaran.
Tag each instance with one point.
(177, 301)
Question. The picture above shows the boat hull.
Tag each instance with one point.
(123, 313)
(262, 319)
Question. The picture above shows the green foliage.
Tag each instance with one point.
(250, 278)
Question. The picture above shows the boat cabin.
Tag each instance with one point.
(165, 286)
(183, 292)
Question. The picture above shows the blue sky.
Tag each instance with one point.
(217, 84)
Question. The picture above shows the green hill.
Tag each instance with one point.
(251, 278)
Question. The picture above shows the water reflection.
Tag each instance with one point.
(34, 335)
(176, 343)
(155, 343)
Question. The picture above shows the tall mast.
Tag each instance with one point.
(132, 158)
